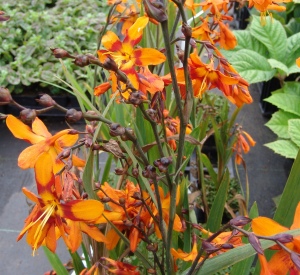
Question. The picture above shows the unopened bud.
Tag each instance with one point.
(151, 271)
(149, 172)
(119, 171)
(136, 98)
(3, 17)
(5, 96)
(72, 115)
(152, 114)
(82, 60)
(254, 241)
(96, 147)
(115, 129)
(240, 221)
(128, 223)
(64, 154)
(122, 201)
(135, 172)
(283, 238)
(110, 65)
(105, 199)
(46, 101)
(60, 53)
(152, 247)
(208, 247)
(156, 9)
(227, 246)
(28, 116)
(136, 195)
(85, 196)
(186, 30)
(69, 164)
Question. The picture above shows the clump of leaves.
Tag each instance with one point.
(33, 28)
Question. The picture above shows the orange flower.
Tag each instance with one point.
(187, 257)
(42, 155)
(227, 39)
(280, 263)
(50, 213)
(124, 53)
(120, 268)
(298, 61)
(242, 146)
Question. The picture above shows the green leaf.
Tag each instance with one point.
(55, 262)
(285, 148)
(279, 123)
(294, 130)
(272, 35)
(216, 213)
(88, 176)
(290, 196)
(77, 262)
(275, 64)
(293, 69)
(246, 41)
(292, 27)
(293, 49)
(252, 66)
(292, 87)
(287, 102)
(218, 263)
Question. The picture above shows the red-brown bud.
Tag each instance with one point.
(73, 115)
(209, 248)
(28, 116)
(64, 154)
(115, 129)
(240, 221)
(105, 199)
(186, 30)
(85, 196)
(152, 247)
(135, 172)
(151, 271)
(136, 195)
(46, 101)
(3, 17)
(60, 53)
(5, 96)
(96, 147)
(149, 172)
(82, 60)
(110, 65)
(136, 98)
(227, 246)
(119, 171)
(156, 9)
(122, 201)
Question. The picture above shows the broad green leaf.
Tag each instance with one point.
(55, 262)
(286, 102)
(293, 49)
(292, 27)
(290, 196)
(279, 123)
(246, 41)
(294, 130)
(77, 262)
(252, 66)
(292, 87)
(285, 148)
(272, 35)
(294, 68)
(218, 263)
(275, 64)
(88, 176)
(216, 213)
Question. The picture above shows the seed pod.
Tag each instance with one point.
(156, 10)
(46, 101)
(240, 221)
(73, 115)
(5, 96)
(115, 129)
(28, 116)
(60, 53)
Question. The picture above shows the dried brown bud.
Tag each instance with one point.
(115, 129)
(152, 114)
(126, 137)
(122, 201)
(64, 154)
(119, 171)
(110, 65)
(96, 147)
(128, 223)
(82, 60)
(73, 115)
(85, 196)
(156, 9)
(151, 271)
(46, 101)
(152, 247)
(209, 248)
(105, 199)
(186, 30)
(136, 195)
(5, 96)
(135, 172)
(3, 17)
(136, 98)
(28, 116)
(149, 172)
(240, 221)
(60, 53)
(254, 241)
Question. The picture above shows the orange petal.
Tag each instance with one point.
(66, 140)
(39, 128)
(298, 62)
(80, 210)
(113, 238)
(296, 223)
(264, 265)
(148, 56)
(111, 41)
(29, 156)
(280, 263)
(135, 32)
(102, 88)
(266, 226)
(21, 131)
(44, 172)
(50, 239)
(93, 232)
(30, 195)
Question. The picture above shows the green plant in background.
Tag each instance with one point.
(270, 51)
(36, 27)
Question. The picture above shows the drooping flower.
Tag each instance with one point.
(124, 53)
(42, 155)
(280, 263)
(49, 214)
(120, 268)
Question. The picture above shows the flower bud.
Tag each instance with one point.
(283, 238)
(186, 30)
(69, 164)
(136, 98)
(110, 65)
(105, 199)
(240, 221)
(119, 171)
(60, 53)
(149, 172)
(155, 9)
(152, 247)
(64, 154)
(136, 195)
(73, 115)
(46, 101)
(5, 96)
(85, 196)
(152, 114)
(135, 172)
(115, 129)
(128, 223)
(227, 246)
(96, 147)
(208, 247)
(3, 17)
(28, 116)
(254, 241)
(151, 271)
(82, 60)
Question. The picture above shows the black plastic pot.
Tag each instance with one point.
(267, 109)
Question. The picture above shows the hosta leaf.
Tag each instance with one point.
(294, 68)
(275, 64)
(285, 148)
(252, 66)
(279, 123)
(293, 49)
(294, 130)
(292, 87)
(287, 102)
(272, 35)
(292, 27)
(246, 41)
